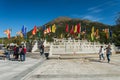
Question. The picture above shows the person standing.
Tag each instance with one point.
(108, 53)
(17, 53)
(101, 53)
(14, 49)
(23, 53)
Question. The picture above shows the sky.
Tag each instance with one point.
(16, 13)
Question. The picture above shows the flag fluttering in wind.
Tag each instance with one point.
(97, 34)
(53, 28)
(49, 29)
(75, 29)
(92, 34)
(24, 32)
(78, 28)
(61, 36)
(7, 32)
(78, 35)
(107, 33)
(67, 28)
(72, 30)
(34, 30)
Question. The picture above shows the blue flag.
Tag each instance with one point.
(24, 31)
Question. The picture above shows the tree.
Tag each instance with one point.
(116, 31)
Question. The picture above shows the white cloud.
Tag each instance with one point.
(89, 17)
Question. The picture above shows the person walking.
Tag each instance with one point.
(108, 53)
(41, 49)
(101, 53)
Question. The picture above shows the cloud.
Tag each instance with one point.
(94, 10)
(102, 6)
(89, 17)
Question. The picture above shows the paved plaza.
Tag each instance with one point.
(77, 69)
(15, 70)
(85, 68)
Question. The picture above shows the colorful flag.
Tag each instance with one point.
(106, 33)
(48, 30)
(7, 32)
(92, 34)
(67, 28)
(24, 32)
(34, 30)
(53, 28)
(39, 34)
(78, 28)
(97, 33)
(61, 36)
(72, 30)
(79, 35)
(75, 29)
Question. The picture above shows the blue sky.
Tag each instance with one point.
(16, 13)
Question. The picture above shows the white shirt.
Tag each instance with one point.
(101, 51)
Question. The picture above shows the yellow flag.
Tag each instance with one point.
(53, 28)
(75, 30)
(92, 33)
(93, 29)
(61, 35)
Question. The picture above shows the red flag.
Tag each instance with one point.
(78, 28)
(34, 30)
(67, 28)
(72, 30)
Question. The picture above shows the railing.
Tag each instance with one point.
(76, 47)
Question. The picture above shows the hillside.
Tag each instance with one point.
(61, 22)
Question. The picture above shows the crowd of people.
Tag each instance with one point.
(17, 53)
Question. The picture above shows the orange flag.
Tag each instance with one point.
(34, 30)
(7, 32)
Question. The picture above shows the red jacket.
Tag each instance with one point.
(25, 50)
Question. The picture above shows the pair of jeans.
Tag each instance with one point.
(22, 57)
(108, 57)
(101, 56)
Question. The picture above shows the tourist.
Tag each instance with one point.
(41, 47)
(101, 53)
(108, 53)
(14, 49)
(7, 52)
(17, 53)
(22, 53)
